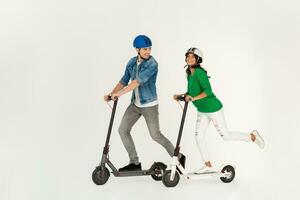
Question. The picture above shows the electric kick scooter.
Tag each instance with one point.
(101, 174)
(171, 176)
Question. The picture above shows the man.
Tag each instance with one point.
(142, 71)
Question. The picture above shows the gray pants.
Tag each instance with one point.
(132, 114)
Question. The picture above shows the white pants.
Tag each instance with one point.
(218, 119)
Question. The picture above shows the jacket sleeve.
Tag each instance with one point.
(126, 77)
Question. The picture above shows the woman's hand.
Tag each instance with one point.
(188, 98)
(175, 97)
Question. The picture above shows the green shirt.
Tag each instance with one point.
(198, 83)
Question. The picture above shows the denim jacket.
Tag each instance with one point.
(147, 74)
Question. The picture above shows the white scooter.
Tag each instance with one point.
(171, 176)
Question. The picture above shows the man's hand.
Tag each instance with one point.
(115, 96)
(107, 98)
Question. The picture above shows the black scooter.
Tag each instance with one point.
(101, 174)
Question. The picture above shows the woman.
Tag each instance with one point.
(209, 109)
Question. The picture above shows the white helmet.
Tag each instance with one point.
(194, 51)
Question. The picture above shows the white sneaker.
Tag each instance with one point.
(258, 139)
(204, 169)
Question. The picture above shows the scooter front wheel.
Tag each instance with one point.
(100, 175)
(229, 173)
(158, 168)
(166, 179)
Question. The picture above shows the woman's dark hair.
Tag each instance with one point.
(198, 65)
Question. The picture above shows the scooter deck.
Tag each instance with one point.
(133, 173)
(204, 175)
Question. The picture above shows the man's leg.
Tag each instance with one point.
(151, 116)
(130, 117)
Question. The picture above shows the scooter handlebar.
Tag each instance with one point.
(181, 98)
(110, 98)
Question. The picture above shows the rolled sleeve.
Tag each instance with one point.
(126, 77)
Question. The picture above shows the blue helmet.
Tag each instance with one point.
(142, 41)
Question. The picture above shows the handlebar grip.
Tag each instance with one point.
(181, 98)
(109, 98)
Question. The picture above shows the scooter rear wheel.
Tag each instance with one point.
(159, 169)
(228, 169)
(100, 175)
(166, 179)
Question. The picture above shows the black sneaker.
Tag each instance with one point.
(182, 162)
(131, 167)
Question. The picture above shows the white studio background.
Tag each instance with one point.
(58, 59)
